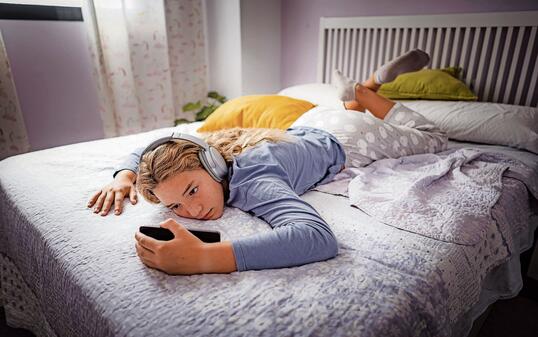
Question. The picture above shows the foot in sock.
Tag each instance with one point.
(413, 60)
(345, 87)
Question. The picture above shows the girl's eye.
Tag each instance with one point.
(175, 206)
(194, 190)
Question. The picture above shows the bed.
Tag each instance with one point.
(67, 272)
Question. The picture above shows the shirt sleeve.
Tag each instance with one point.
(299, 234)
(131, 162)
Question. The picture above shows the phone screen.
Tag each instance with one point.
(164, 234)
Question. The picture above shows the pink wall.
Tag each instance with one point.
(300, 24)
(52, 73)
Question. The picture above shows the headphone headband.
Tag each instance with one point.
(209, 156)
(175, 135)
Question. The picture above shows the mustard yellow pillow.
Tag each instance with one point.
(256, 111)
(432, 84)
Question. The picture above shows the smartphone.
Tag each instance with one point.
(164, 234)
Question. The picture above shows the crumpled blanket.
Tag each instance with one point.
(446, 196)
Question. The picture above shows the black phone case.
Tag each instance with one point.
(164, 234)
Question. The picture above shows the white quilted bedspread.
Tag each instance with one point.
(89, 282)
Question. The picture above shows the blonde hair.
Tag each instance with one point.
(178, 156)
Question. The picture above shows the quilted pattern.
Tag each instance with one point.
(87, 279)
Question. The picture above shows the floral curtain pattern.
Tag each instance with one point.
(13, 136)
(149, 60)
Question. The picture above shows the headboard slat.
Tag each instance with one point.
(373, 51)
(481, 74)
(347, 48)
(404, 44)
(493, 65)
(502, 67)
(341, 39)
(456, 46)
(532, 87)
(470, 65)
(497, 51)
(525, 69)
(515, 58)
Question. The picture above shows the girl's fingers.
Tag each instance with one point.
(149, 263)
(132, 195)
(94, 198)
(147, 242)
(142, 251)
(145, 256)
(99, 202)
(118, 203)
(108, 202)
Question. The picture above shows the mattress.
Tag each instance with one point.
(81, 273)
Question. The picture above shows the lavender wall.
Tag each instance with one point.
(52, 73)
(300, 24)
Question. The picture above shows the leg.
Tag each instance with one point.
(378, 105)
(366, 138)
(353, 105)
(411, 61)
(370, 84)
(417, 134)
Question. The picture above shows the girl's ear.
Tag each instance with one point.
(225, 190)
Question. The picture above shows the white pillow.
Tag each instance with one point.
(483, 122)
(479, 122)
(316, 93)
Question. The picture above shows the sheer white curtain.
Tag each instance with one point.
(13, 136)
(149, 60)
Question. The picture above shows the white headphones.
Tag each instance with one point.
(209, 156)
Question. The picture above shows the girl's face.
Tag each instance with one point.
(192, 194)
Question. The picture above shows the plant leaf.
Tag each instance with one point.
(216, 96)
(181, 121)
(205, 112)
(192, 106)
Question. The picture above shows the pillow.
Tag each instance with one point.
(483, 122)
(440, 84)
(317, 93)
(256, 111)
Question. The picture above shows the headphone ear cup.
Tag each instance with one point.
(207, 166)
(221, 169)
(214, 163)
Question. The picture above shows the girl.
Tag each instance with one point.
(263, 171)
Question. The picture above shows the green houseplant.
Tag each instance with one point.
(214, 100)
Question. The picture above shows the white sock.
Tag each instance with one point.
(344, 86)
(413, 60)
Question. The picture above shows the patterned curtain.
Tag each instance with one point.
(13, 137)
(149, 60)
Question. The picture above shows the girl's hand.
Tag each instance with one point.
(181, 255)
(185, 254)
(115, 192)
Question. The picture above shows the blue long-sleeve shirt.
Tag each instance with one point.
(266, 181)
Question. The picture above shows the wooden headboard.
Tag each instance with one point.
(497, 51)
